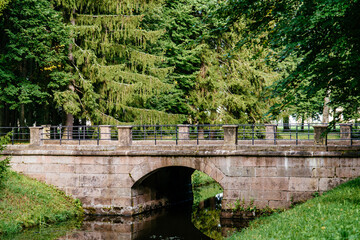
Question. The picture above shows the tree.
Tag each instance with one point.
(118, 68)
(324, 34)
(3, 5)
(33, 60)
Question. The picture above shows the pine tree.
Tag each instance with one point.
(117, 72)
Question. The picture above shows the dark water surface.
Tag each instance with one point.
(184, 222)
(181, 222)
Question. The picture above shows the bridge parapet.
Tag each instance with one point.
(245, 134)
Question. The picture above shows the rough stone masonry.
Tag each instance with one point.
(126, 180)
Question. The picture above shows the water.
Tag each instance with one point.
(181, 222)
(185, 222)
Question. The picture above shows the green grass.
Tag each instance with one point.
(25, 202)
(334, 215)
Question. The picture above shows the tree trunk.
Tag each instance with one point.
(286, 120)
(302, 122)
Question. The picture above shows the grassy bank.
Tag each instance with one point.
(25, 202)
(334, 215)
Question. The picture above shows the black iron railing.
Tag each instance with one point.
(18, 135)
(245, 134)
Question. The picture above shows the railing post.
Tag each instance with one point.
(183, 130)
(105, 132)
(124, 135)
(271, 130)
(319, 137)
(230, 134)
(345, 131)
(46, 131)
(35, 136)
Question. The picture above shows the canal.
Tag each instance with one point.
(198, 220)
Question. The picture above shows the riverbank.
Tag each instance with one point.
(25, 202)
(333, 215)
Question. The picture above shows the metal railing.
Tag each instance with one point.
(77, 134)
(18, 135)
(245, 134)
(177, 133)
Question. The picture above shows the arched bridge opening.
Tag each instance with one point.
(164, 186)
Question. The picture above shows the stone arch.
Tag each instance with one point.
(141, 171)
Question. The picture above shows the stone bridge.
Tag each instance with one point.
(126, 177)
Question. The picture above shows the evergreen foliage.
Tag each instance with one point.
(117, 73)
(33, 60)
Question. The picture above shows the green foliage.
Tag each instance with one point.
(4, 162)
(27, 203)
(324, 35)
(3, 5)
(199, 178)
(119, 67)
(33, 57)
(334, 215)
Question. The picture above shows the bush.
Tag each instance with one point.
(4, 163)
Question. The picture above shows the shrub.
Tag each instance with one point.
(4, 162)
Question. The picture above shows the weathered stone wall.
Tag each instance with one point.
(128, 180)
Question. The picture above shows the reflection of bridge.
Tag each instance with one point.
(126, 177)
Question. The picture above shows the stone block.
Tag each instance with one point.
(347, 162)
(271, 195)
(294, 172)
(326, 184)
(91, 180)
(348, 172)
(119, 181)
(267, 161)
(324, 172)
(237, 171)
(296, 197)
(121, 201)
(237, 183)
(266, 172)
(270, 183)
(66, 168)
(303, 184)
(102, 201)
(116, 192)
(34, 168)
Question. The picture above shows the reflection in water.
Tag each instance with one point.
(180, 222)
(174, 223)
(206, 218)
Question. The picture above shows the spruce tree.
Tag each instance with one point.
(116, 71)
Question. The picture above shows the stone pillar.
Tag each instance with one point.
(230, 134)
(183, 132)
(124, 135)
(319, 137)
(200, 133)
(345, 131)
(35, 136)
(46, 131)
(105, 132)
(270, 130)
